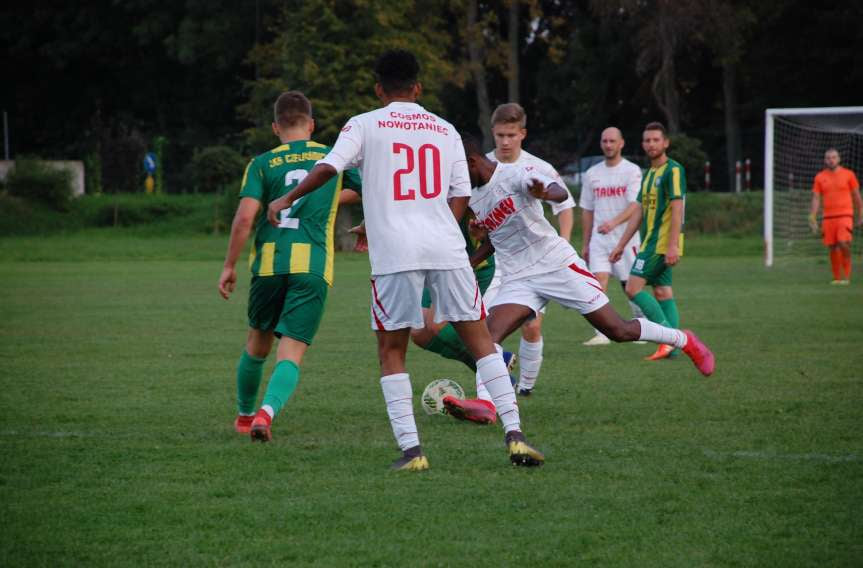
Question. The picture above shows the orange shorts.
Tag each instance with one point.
(837, 230)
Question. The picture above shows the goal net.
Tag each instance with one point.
(794, 146)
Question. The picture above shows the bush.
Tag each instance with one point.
(213, 168)
(36, 181)
(688, 152)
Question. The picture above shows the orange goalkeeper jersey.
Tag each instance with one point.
(835, 187)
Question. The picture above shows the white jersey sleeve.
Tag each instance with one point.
(459, 184)
(585, 200)
(633, 186)
(347, 152)
(527, 159)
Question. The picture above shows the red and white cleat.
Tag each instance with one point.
(474, 410)
(699, 353)
(243, 423)
(260, 430)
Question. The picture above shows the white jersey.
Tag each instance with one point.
(411, 162)
(526, 159)
(525, 243)
(607, 192)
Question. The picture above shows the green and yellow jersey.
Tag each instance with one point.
(303, 241)
(659, 188)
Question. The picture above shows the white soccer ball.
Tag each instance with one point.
(432, 397)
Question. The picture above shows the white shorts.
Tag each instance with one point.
(397, 298)
(493, 288)
(600, 249)
(572, 287)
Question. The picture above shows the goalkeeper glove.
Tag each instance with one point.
(813, 224)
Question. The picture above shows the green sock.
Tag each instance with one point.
(448, 344)
(284, 380)
(249, 372)
(669, 308)
(650, 307)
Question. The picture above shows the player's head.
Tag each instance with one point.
(396, 73)
(831, 158)
(292, 111)
(654, 140)
(611, 142)
(508, 125)
(475, 159)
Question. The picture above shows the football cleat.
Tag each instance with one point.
(473, 410)
(412, 460)
(260, 430)
(243, 423)
(520, 452)
(845, 282)
(836, 282)
(699, 353)
(509, 360)
(662, 352)
(597, 339)
(522, 391)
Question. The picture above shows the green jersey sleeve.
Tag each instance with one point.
(676, 187)
(351, 180)
(253, 181)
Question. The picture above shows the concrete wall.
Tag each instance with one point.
(74, 166)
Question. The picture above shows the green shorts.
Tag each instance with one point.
(483, 278)
(288, 304)
(652, 268)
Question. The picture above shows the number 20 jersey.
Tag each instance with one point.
(303, 242)
(411, 161)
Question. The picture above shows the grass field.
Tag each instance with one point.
(118, 397)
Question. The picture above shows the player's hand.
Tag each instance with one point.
(615, 255)
(359, 229)
(227, 281)
(275, 207)
(536, 189)
(813, 223)
(672, 255)
(476, 231)
(605, 228)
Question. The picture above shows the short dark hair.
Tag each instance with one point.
(472, 145)
(397, 71)
(657, 126)
(291, 109)
(509, 113)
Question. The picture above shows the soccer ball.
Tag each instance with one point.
(432, 397)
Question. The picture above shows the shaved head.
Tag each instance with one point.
(611, 142)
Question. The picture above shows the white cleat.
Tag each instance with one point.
(597, 340)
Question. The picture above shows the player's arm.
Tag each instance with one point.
(631, 228)
(458, 206)
(858, 204)
(672, 253)
(551, 192)
(241, 228)
(320, 174)
(349, 197)
(565, 221)
(621, 217)
(586, 231)
(482, 252)
(813, 211)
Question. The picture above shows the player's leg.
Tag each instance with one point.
(598, 337)
(665, 297)
(457, 296)
(601, 267)
(650, 268)
(844, 234)
(622, 268)
(396, 307)
(250, 370)
(440, 337)
(302, 310)
(830, 240)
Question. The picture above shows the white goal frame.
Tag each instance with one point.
(770, 116)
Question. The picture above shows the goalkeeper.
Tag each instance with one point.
(840, 190)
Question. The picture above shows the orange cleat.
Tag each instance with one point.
(662, 352)
(473, 410)
(243, 423)
(699, 353)
(260, 430)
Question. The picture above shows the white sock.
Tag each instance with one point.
(530, 360)
(596, 331)
(269, 410)
(482, 392)
(400, 408)
(656, 333)
(496, 380)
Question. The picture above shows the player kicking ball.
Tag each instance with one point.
(415, 188)
(538, 266)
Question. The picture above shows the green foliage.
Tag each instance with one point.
(93, 173)
(213, 168)
(330, 56)
(687, 150)
(35, 180)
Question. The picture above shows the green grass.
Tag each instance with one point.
(117, 402)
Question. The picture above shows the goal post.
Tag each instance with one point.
(795, 140)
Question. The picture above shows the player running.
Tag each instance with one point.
(292, 263)
(538, 266)
(509, 127)
(609, 198)
(416, 186)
